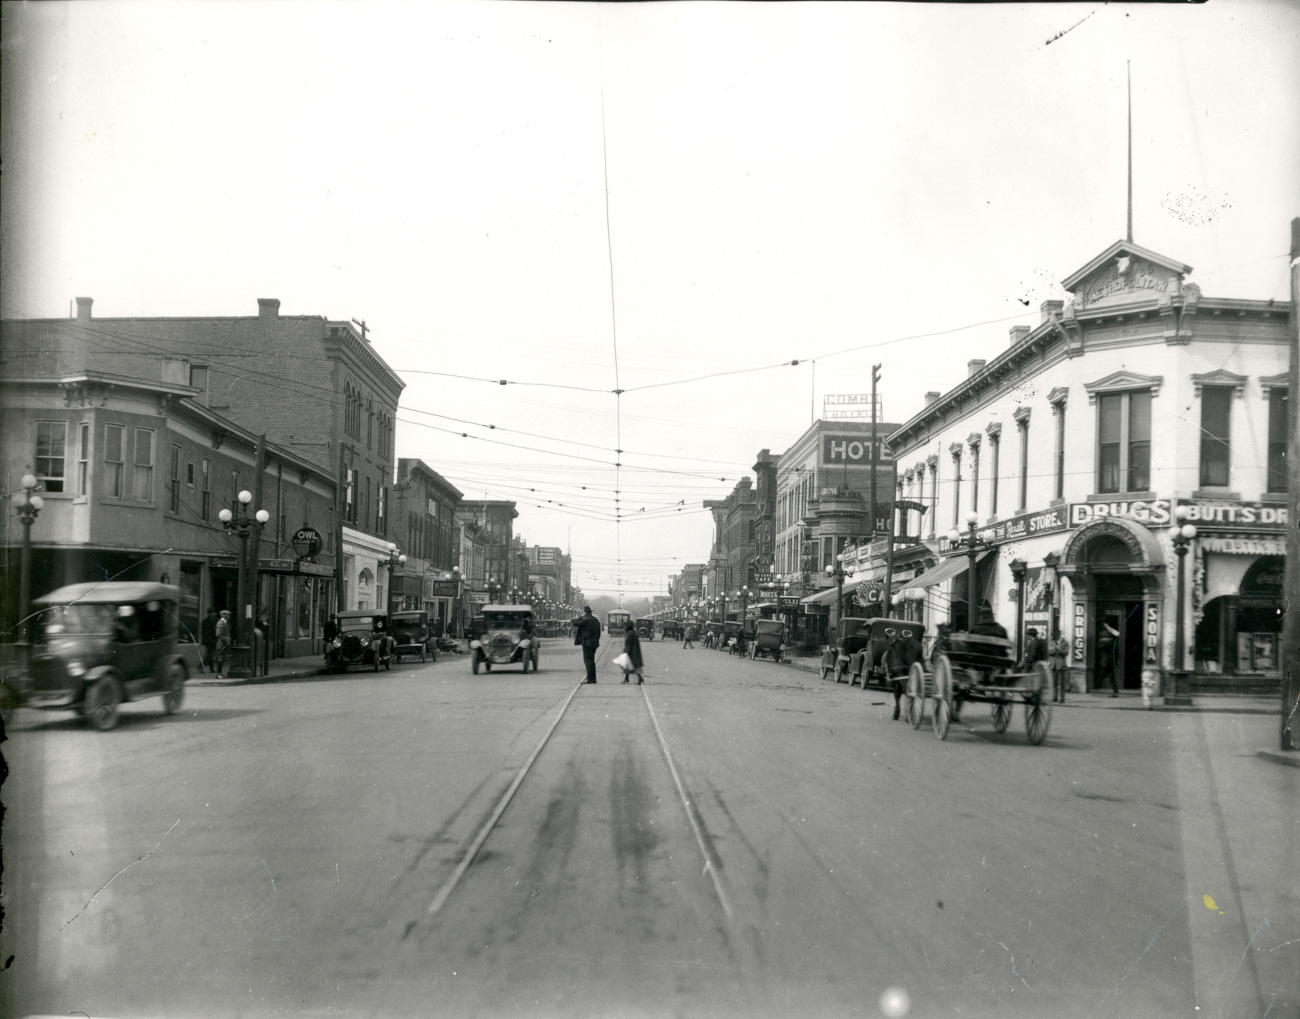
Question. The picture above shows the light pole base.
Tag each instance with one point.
(1178, 697)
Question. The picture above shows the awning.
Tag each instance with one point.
(946, 570)
(821, 597)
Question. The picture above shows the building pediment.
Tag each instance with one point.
(1122, 274)
(1228, 379)
(1123, 380)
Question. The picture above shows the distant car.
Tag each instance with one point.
(411, 635)
(645, 628)
(507, 637)
(103, 643)
(361, 637)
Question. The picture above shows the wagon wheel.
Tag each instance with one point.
(1037, 680)
(916, 694)
(1001, 716)
(1038, 719)
(942, 696)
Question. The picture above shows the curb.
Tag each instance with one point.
(1287, 757)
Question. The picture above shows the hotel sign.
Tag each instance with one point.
(849, 449)
(846, 407)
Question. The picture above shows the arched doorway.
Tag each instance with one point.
(1116, 573)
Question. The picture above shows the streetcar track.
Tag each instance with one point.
(712, 864)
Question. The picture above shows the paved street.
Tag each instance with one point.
(295, 848)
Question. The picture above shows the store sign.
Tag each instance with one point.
(1209, 513)
(443, 589)
(306, 542)
(1152, 635)
(1080, 632)
(1153, 513)
(546, 557)
(1244, 546)
(1025, 525)
(787, 603)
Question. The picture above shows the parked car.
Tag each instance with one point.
(360, 637)
(506, 638)
(412, 636)
(852, 635)
(769, 639)
(100, 644)
(645, 628)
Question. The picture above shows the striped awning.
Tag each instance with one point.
(946, 570)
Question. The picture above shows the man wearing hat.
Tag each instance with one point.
(586, 632)
(222, 657)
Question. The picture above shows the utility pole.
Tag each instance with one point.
(1290, 733)
(875, 377)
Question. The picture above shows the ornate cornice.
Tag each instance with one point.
(1058, 396)
(1221, 378)
(1123, 381)
(1021, 414)
(1279, 381)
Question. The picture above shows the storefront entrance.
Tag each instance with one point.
(1119, 602)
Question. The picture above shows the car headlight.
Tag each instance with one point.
(76, 668)
(338, 641)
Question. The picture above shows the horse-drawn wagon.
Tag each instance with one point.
(976, 669)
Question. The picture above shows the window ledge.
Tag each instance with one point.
(1057, 502)
(109, 500)
(1216, 493)
(1123, 497)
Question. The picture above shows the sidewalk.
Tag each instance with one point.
(1210, 703)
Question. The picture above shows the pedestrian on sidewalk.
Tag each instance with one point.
(586, 634)
(208, 638)
(222, 656)
(1058, 653)
(632, 648)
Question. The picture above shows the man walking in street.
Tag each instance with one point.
(222, 656)
(586, 633)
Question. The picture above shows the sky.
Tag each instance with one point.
(674, 200)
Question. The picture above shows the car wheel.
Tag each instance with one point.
(839, 672)
(102, 700)
(175, 692)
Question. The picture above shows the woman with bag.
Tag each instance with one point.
(631, 656)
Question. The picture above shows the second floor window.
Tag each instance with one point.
(142, 466)
(51, 440)
(174, 503)
(83, 458)
(381, 514)
(114, 439)
(956, 490)
(1278, 420)
(350, 496)
(995, 455)
(1216, 419)
(205, 496)
(1124, 442)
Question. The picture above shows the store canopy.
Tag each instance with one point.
(825, 597)
(946, 570)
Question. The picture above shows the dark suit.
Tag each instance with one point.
(586, 632)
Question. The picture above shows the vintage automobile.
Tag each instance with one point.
(506, 638)
(851, 638)
(645, 628)
(671, 630)
(100, 644)
(858, 653)
(361, 637)
(412, 636)
(769, 639)
(733, 637)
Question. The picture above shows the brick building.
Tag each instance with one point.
(424, 528)
(314, 386)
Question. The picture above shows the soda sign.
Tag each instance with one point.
(1152, 635)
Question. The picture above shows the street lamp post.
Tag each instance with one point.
(29, 506)
(493, 589)
(744, 602)
(1018, 570)
(393, 561)
(836, 573)
(972, 552)
(1183, 536)
(244, 526)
